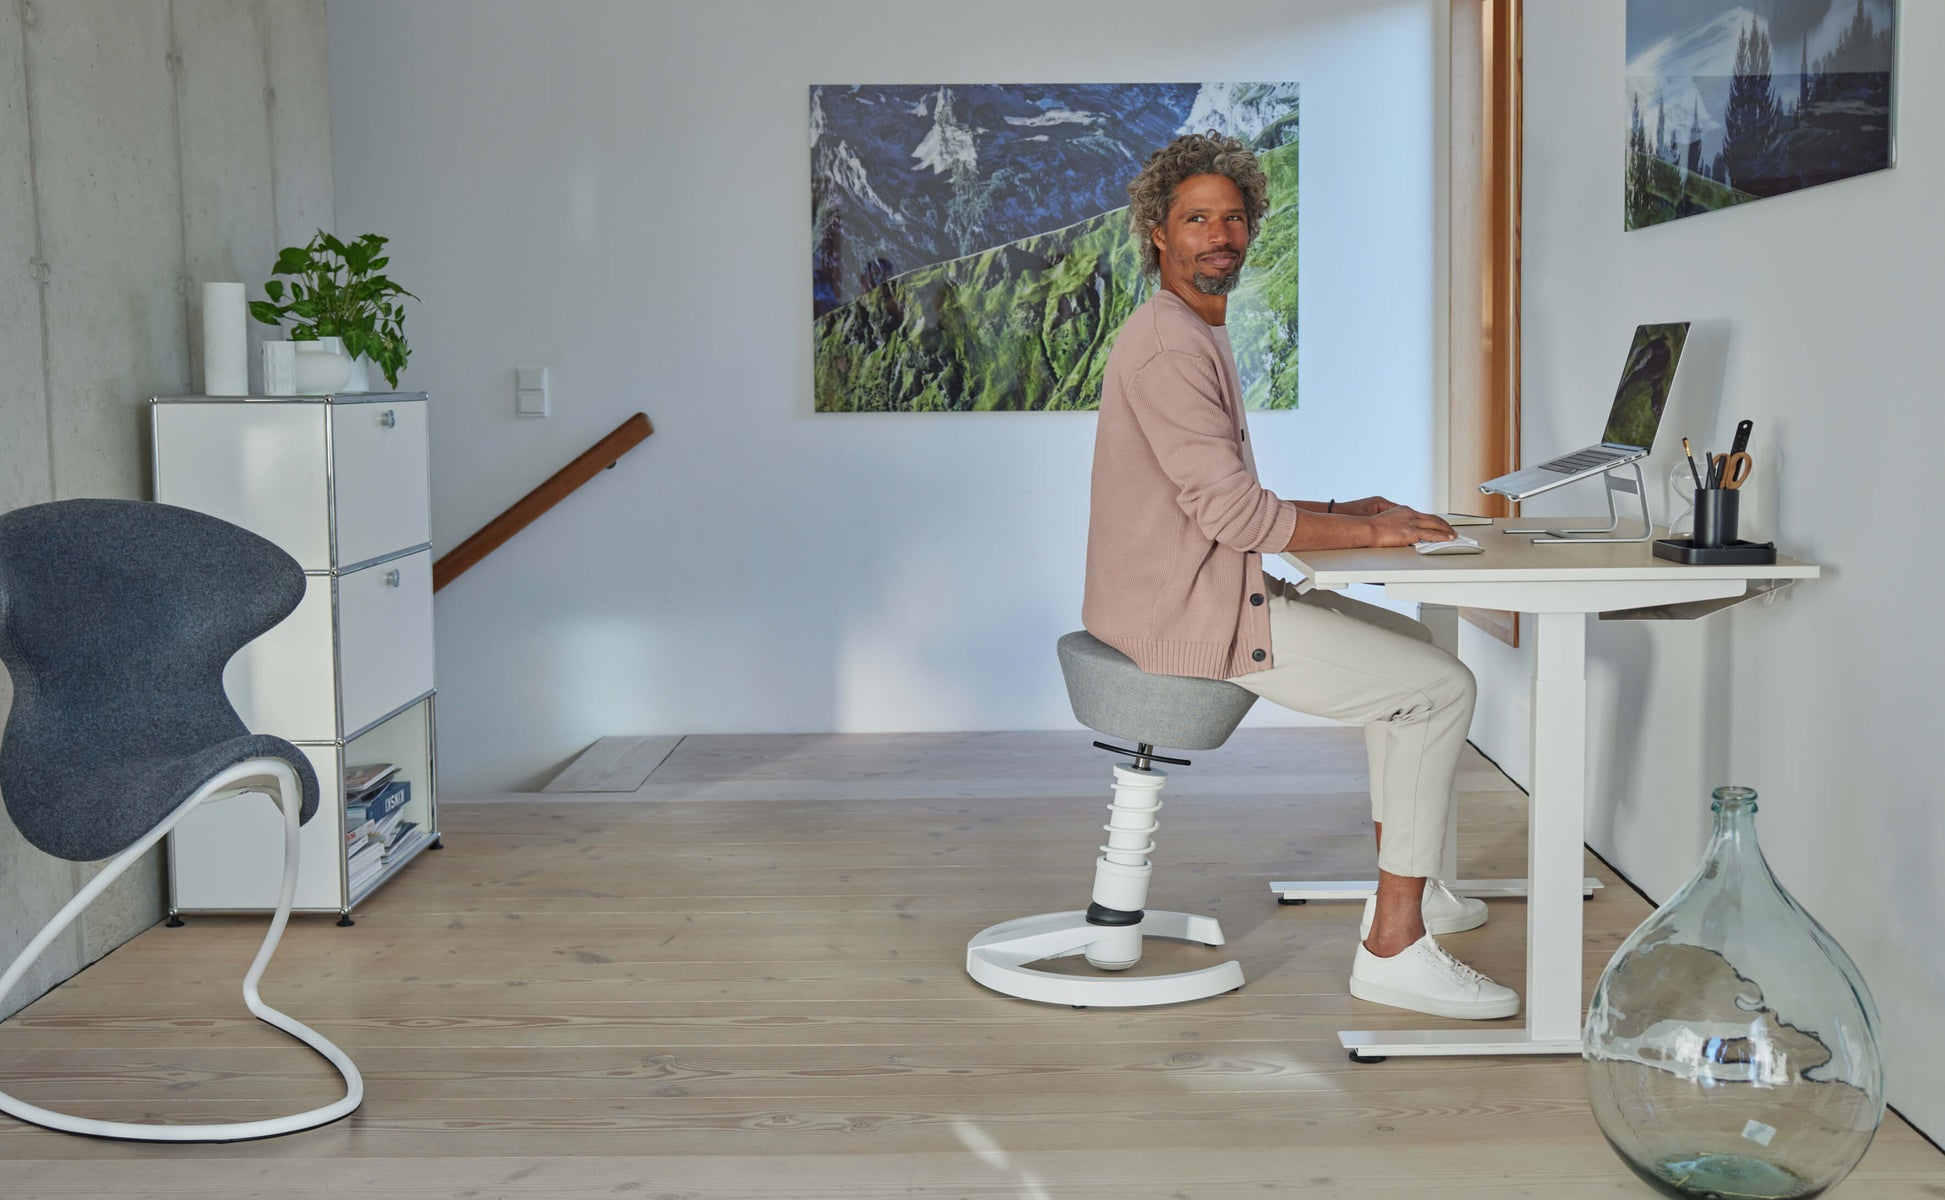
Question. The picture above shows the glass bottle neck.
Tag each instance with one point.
(1733, 850)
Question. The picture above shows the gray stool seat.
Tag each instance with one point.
(1111, 695)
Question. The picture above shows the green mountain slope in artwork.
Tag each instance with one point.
(1671, 192)
(1028, 325)
(1263, 309)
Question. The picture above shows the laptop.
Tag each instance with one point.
(1631, 423)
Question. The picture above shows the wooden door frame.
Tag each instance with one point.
(1481, 421)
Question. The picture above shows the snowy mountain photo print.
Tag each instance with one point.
(1737, 100)
(970, 247)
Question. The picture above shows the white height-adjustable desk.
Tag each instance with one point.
(1559, 585)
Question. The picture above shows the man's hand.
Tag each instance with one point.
(1401, 526)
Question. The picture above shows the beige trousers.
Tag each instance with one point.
(1332, 656)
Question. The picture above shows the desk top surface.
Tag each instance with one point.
(1509, 558)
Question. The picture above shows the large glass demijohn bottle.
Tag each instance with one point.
(1731, 1045)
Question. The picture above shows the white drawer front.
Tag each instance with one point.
(378, 455)
(384, 637)
(261, 467)
(285, 683)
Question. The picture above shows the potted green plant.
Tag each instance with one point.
(337, 291)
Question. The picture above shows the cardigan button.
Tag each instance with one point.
(1256, 598)
(1257, 655)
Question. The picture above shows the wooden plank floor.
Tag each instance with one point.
(658, 996)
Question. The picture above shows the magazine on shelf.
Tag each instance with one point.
(360, 876)
(366, 818)
(383, 803)
(401, 840)
(367, 866)
(366, 777)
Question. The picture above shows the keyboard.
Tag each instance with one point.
(1581, 460)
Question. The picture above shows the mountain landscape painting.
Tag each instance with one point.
(1737, 100)
(970, 247)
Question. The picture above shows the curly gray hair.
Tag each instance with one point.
(1153, 191)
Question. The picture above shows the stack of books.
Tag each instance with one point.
(376, 833)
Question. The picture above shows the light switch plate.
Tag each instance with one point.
(530, 391)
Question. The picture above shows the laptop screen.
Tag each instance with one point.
(1645, 379)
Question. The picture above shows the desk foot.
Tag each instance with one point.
(1303, 891)
(1376, 1045)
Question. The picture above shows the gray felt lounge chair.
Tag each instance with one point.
(116, 620)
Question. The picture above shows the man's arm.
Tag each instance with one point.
(1369, 506)
(1177, 401)
(1396, 526)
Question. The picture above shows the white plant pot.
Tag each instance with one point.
(322, 367)
(364, 373)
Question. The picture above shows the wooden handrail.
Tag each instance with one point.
(602, 455)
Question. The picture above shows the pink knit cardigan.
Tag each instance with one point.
(1178, 525)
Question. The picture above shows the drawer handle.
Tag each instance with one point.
(391, 579)
(388, 418)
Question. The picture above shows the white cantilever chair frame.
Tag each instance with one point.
(255, 775)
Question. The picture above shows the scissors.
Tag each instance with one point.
(1733, 470)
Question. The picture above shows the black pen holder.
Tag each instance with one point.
(1716, 510)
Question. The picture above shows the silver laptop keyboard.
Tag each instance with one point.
(1580, 460)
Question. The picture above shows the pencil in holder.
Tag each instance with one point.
(1715, 517)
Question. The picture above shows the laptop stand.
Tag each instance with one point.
(1562, 537)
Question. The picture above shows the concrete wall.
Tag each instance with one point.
(145, 146)
(620, 192)
(1815, 314)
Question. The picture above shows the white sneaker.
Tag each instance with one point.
(1426, 979)
(1444, 911)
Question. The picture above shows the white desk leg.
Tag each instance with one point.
(1556, 828)
(1553, 857)
(1443, 621)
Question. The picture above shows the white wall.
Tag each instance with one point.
(619, 191)
(140, 153)
(1817, 317)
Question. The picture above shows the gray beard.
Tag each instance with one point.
(1217, 285)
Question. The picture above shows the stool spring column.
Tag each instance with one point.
(1121, 873)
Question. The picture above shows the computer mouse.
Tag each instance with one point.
(1459, 545)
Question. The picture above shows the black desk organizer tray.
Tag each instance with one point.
(1737, 554)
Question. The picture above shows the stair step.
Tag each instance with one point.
(614, 764)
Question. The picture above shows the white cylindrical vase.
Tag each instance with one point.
(226, 344)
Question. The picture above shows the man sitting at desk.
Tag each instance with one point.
(1176, 536)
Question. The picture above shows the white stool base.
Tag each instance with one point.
(998, 958)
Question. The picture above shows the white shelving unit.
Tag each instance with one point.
(340, 482)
